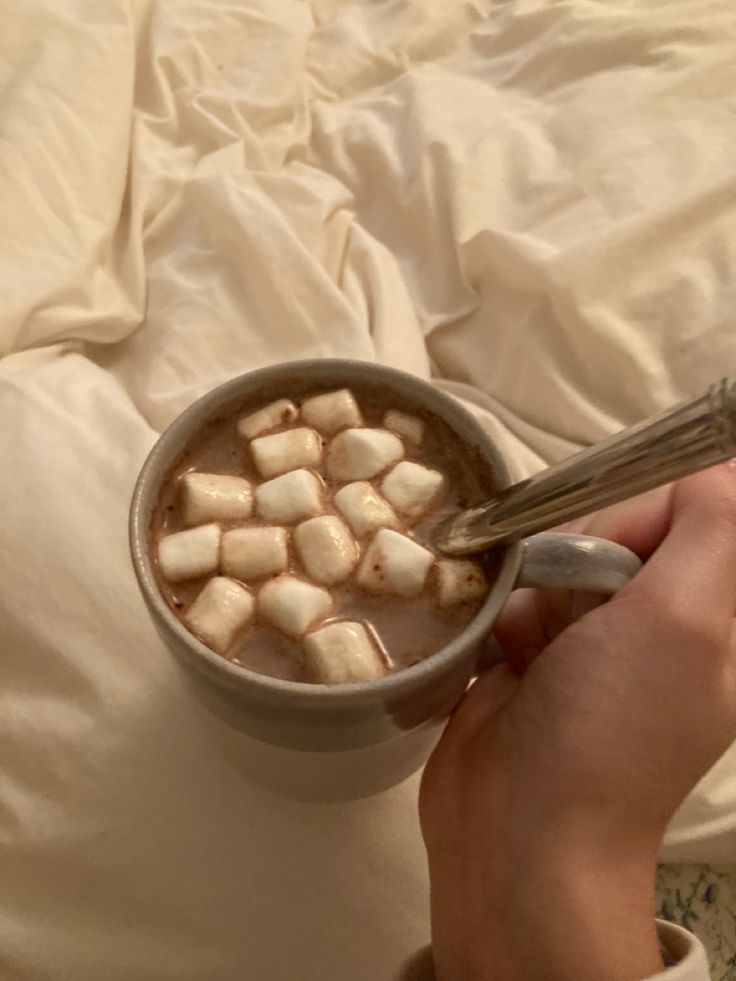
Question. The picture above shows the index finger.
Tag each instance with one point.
(532, 618)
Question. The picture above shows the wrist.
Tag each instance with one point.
(586, 915)
(560, 908)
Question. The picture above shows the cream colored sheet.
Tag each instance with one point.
(533, 202)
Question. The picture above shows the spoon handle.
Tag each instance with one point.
(693, 435)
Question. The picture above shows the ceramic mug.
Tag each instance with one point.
(320, 742)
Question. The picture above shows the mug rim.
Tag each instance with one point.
(172, 443)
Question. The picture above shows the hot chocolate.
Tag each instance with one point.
(293, 537)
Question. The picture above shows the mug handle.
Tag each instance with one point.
(582, 562)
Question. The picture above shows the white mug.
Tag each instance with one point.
(346, 741)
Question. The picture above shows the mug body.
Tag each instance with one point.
(406, 708)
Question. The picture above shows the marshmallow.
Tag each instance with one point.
(364, 509)
(359, 454)
(189, 554)
(394, 564)
(408, 427)
(326, 549)
(286, 451)
(458, 581)
(293, 605)
(342, 652)
(290, 498)
(332, 411)
(412, 489)
(254, 553)
(219, 612)
(271, 416)
(215, 497)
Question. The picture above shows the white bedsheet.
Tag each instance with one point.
(533, 202)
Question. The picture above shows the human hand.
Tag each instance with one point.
(544, 804)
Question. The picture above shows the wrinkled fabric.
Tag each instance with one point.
(531, 203)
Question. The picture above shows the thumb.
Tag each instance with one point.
(694, 567)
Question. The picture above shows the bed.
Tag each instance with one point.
(533, 203)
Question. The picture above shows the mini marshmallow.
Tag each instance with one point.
(271, 416)
(286, 451)
(342, 652)
(408, 427)
(254, 553)
(189, 554)
(394, 564)
(364, 509)
(412, 489)
(458, 581)
(359, 454)
(219, 612)
(215, 497)
(326, 549)
(290, 498)
(292, 605)
(332, 411)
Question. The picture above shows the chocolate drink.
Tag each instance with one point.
(403, 627)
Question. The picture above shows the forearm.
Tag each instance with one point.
(684, 956)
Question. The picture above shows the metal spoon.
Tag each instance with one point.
(691, 436)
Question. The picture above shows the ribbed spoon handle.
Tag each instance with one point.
(690, 437)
